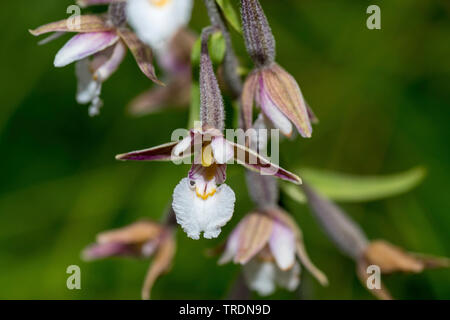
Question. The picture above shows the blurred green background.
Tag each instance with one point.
(382, 97)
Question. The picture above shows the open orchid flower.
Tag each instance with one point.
(200, 204)
(157, 21)
(174, 58)
(268, 244)
(269, 86)
(142, 239)
(98, 49)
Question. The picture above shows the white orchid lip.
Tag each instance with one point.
(157, 21)
(196, 215)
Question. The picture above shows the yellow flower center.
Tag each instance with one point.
(205, 195)
(159, 3)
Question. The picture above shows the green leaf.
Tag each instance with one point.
(216, 47)
(351, 188)
(230, 14)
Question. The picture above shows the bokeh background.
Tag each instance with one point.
(382, 97)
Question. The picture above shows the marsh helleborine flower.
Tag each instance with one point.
(142, 239)
(98, 48)
(199, 203)
(269, 86)
(268, 243)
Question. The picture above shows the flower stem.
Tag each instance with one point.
(232, 78)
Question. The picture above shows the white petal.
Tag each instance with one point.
(84, 45)
(94, 108)
(196, 215)
(88, 88)
(271, 111)
(156, 21)
(182, 146)
(282, 246)
(289, 279)
(260, 276)
(222, 150)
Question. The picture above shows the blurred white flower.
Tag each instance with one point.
(157, 21)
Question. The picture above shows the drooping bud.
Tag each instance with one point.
(117, 13)
(211, 104)
(342, 230)
(258, 36)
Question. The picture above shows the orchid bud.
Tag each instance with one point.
(211, 104)
(258, 36)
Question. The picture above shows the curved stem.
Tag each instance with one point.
(230, 61)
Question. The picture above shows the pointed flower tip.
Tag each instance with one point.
(121, 157)
(323, 280)
(306, 134)
(86, 256)
(33, 32)
(159, 82)
(296, 180)
(58, 63)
